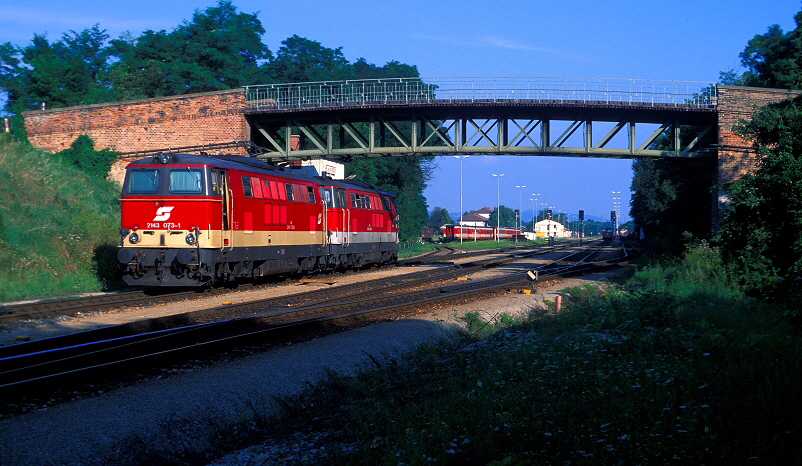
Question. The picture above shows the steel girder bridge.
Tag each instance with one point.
(622, 118)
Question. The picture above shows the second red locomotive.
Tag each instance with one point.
(192, 220)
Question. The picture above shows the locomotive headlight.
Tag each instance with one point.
(191, 238)
(133, 238)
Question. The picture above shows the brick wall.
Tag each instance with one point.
(137, 125)
(736, 156)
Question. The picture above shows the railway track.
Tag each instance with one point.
(85, 355)
(98, 303)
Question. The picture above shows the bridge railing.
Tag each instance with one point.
(404, 91)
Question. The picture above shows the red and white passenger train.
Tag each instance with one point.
(192, 220)
(468, 233)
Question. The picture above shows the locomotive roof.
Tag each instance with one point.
(352, 183)
(250, 164)
(224, 161)
(237, 162)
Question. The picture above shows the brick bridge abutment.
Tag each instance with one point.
(143, 125)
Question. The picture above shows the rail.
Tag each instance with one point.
(412, 91)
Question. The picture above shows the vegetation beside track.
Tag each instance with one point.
(58, 225)
(675, 365)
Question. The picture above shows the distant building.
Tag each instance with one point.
(484, 212)
(473, 219)
(550, 228)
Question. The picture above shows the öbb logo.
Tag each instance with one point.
(163, 213)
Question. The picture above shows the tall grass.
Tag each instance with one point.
(669, 369)
(58, 228)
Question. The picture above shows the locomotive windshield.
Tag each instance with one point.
(189, 181)
(180, 181)
(143, 181)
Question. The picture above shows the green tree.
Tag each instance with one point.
(59, 74)
(774, 59)
(672, 196)
(361, 69)
(439, 217)
(507, 217)
(219, 48)
(301, 60)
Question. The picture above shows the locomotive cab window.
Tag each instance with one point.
(327, 197)
(386, 204)
(215, 177)
(188, 181)
(143, 181)
(246, 186)
(339, 199)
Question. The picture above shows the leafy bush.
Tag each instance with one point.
(83, 155)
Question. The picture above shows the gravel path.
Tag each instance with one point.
(183, 405)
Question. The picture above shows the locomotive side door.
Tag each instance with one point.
(226, 239)
(336, 221)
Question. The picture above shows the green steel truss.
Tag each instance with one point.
(551, 116)
(419, 135)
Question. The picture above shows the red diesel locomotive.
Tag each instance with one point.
(191, 220)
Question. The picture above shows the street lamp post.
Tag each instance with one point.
(460, 195)
(532, 200)
(518, 217)
(543, 207)
(617, 208)
(498, 203)
(535, 213)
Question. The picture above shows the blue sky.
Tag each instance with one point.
(676, 40)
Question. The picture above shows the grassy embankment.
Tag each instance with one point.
(58, 229)
(676, 366)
